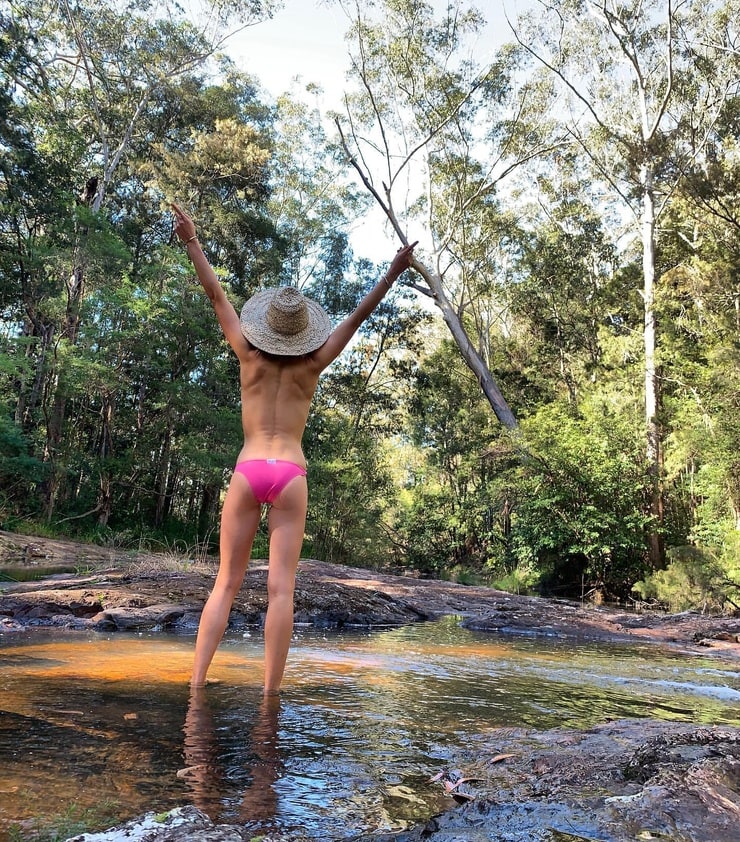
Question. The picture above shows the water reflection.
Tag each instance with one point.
(365, 720)
(206, 775)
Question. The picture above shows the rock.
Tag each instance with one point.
(183, 824)
(119, 591)
(627, 780)
(135, 618)
(619, 782)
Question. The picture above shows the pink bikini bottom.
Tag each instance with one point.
(268, 477)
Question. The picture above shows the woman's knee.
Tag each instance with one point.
(229, 582)
(280, 587)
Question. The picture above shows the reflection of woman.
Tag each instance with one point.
(260, 798)
(203, 770)
(204, 773)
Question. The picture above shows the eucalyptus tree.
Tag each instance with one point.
(89, 85)
(313, 203)
(569, 290)
(641, 86)
(433, 134)
(455, 519)
(698, 302)
(113, 60)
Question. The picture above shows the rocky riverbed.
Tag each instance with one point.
(628, 780)
(89, 587)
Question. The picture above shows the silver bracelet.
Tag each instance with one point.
(387, 282)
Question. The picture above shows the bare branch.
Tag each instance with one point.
(572, 88)
(387, 209)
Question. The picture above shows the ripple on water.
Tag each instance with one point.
(365, 720)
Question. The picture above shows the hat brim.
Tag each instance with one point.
(258, 332)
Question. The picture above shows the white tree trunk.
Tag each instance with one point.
(652, 425)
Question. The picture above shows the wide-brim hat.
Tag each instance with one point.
(283, 321)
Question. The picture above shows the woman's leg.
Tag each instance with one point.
(239, 521)
(287, 522)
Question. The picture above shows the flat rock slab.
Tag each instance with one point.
(620, 782)
(121, 591)
(180, 825)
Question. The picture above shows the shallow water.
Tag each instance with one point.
(107, 722)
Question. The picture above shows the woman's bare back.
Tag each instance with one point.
(276, 394)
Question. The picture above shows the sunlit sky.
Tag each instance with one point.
(306, 39)
(305, 43)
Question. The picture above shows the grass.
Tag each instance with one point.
(74, 821)
(173, 557)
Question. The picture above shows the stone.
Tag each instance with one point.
(134, 618)
(183, 824)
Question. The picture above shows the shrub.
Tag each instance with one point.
(696, 578)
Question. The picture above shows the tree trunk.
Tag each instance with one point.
(653, 443)
(162, 479)
(435, 290)
(105, 498)
(208, 511)
(75, 286)
(105, 490)
(472, 358)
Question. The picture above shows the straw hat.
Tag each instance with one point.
(283, 321)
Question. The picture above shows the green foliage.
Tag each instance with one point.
(427, 529)
(20, 469)
(579, 519)
(696, 578)
(449, 519)
(703, 396)
(348, 499)
(569, 288)
(349, 478)
(522, 579)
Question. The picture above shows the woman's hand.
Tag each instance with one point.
(184, 225)
(401, 262)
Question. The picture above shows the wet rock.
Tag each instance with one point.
(618, 782)
(135, 618)
(122, 601)
(345, 606)
(119, 591)
(184, 824)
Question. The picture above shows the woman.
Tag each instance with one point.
(283, 341)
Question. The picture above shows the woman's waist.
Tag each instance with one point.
(286, 451)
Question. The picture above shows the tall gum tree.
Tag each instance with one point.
(642, 83)
(432, 135)
(98, 68)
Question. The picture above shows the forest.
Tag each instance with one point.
(550, 404)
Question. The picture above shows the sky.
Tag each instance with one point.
(306, 39)
(304, 43)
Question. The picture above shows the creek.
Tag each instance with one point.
(106, 722)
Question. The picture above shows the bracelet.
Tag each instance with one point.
(387, 282)
(194, 237)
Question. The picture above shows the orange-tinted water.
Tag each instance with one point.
(107, 722)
